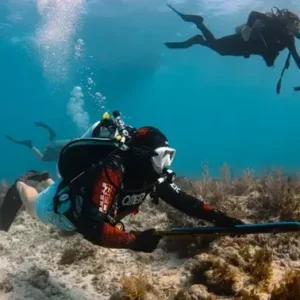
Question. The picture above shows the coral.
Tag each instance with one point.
(196, 291)
(231, 265)
(219, 276)
(249, 294)
(223, 279)
(133, 288)
(245, 184)
(213, 190)
(289, 288)
(277, 196)
(260, 266)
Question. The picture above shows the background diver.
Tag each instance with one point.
(53, 148)
(100, 198)
(106, 127)
(265, 34)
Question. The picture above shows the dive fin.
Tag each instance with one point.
(12, 202)
(26, 143)
(188, 18)
(52, 133)
(9, 207)
(195, 40)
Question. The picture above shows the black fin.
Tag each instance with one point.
(186, 17)
(10, 207)
(27, 143)
(195, 40)
(52, 133)
(12, 202)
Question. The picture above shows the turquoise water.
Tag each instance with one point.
(215, 109)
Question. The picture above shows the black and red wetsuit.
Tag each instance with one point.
(107, 198)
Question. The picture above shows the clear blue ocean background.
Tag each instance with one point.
(214, 109)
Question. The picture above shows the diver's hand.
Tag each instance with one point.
(234, 222)
(145, 241)
(227, 221)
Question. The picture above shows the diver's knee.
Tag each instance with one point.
(21, 187)
(28, 197)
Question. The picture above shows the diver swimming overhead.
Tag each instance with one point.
(264, 34)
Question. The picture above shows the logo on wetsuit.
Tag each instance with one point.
(105, 197)
(175, 188)
(134, 199)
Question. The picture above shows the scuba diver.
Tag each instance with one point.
(265, 34)
(105, 180)
(53, 148)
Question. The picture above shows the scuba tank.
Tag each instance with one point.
(238, 29)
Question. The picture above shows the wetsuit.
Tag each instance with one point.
(272, 39)
(53, 150)
(101, 199)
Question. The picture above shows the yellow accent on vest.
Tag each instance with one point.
(106, 115)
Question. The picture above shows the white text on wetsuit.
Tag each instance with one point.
(133, 199)
(175, 187)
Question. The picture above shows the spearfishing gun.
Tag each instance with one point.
(238, 230)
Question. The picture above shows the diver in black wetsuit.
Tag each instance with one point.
(53, 148)
(264, 34)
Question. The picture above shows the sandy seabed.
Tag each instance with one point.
(40, 262)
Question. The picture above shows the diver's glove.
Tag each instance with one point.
(223, 220)
(226, 221)
(145, 241)
(234, 222)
